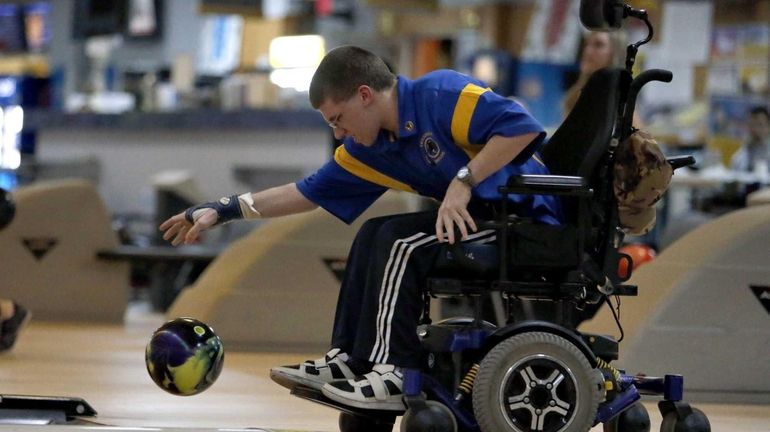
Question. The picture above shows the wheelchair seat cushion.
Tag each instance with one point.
(529, 245)
(543, 246)
(479, 260)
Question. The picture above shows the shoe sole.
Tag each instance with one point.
(290, 380)
(378, 405)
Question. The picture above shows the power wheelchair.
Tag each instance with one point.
(535, 371)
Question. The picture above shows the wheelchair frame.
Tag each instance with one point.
(594, 281)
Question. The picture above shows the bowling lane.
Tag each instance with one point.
(105, 366)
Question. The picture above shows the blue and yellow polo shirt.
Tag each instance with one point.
(445, 119)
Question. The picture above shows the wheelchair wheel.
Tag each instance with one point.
(432, 416)
(634, 419)
(536, 381)
(695, 421)
(356, 423)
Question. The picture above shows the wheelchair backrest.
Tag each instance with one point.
(584, 136)
(583, 139)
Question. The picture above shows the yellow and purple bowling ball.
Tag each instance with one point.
(184, 356)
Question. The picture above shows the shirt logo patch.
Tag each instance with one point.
(430, 149)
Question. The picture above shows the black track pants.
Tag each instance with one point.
(380, 300)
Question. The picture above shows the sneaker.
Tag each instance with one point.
(380, 389)
(10, 328)
(314, 373)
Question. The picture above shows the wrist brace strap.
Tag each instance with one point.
(227, 208)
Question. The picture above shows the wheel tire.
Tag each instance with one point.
(634, 419)
(525, 367)
(355, 423)
(696, 421)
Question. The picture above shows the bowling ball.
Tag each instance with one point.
(640, 254)
(7, 208)
(184, 356)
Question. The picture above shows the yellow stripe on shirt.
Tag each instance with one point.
(360, 169)
(461, 119)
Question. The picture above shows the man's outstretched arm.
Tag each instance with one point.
(278, 201)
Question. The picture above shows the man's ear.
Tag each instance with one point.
(366, 94)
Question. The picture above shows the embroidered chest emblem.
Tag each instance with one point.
(431, 150)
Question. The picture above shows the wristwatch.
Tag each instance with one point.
(465, 175)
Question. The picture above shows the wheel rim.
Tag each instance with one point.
(539, 393)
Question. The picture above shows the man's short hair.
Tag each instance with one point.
(757, 110)
(343, 70)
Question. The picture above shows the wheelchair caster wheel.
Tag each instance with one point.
(431, 416)
(536, 381)
(694, 421)
(357, 423)
(634, 419)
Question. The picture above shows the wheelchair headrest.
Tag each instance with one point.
(601, 15)
(584, 136)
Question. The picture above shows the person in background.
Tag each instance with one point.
(600, 50)
(13, 318)
(754, 154)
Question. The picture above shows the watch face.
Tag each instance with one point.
(462, 174)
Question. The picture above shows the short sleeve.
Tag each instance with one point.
(339, 192)
(496, 115)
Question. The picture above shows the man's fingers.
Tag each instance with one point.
(458, 220)
(439, 230)
(192, 233)
(469, 220)
(179, 236)
(168, 223)
(449, 229)
(171, 221)
(172, 230)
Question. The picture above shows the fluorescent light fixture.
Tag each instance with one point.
(296, 78)
(14, 120)
(7, 87)
(296, 51)
(10, 158)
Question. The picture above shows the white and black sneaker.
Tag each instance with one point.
(380, 389)
(314, 373)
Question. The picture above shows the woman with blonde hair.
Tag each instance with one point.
(600, 50)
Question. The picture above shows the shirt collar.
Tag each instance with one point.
(406, 117)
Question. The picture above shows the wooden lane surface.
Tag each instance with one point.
(105, 366)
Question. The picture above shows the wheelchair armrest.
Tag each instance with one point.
(680, 161)
(535, 184)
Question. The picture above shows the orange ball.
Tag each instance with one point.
(640, 254)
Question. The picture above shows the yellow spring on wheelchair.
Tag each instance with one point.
(604, 365)
(466, 386)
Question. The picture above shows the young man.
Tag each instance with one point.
(442, 136)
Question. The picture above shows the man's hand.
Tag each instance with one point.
(454, 210)
(181, 230)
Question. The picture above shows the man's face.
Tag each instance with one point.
(759, 127)
(353, 117)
